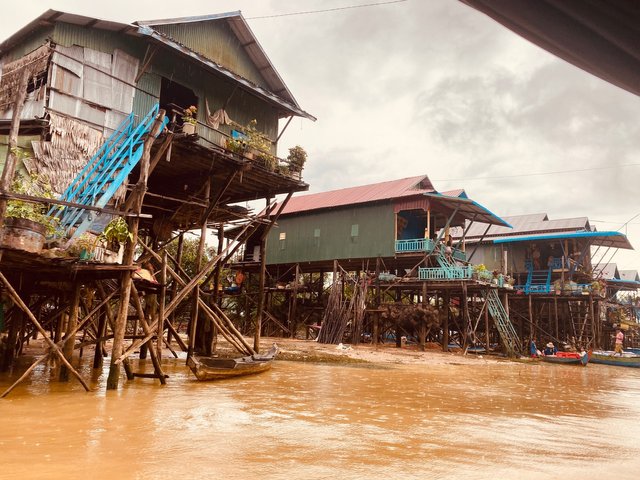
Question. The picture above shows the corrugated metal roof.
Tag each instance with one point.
(604, 239)
(607, 271)
(362, 194)
(249, 43)
(466, 208)
(51, 16)
(278, 95)
(629, 275)
(530, 224)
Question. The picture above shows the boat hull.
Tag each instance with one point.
(624, 360)
(207, 368)
(567, 358)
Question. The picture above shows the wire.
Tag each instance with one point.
(309, 12)
(557, 172)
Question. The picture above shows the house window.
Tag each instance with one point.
(283, 240)
(354, 232)
(316, 237)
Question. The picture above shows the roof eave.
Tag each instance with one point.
(187, 52)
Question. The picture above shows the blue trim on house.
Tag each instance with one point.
(556, 236)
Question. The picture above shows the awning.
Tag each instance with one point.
(467, 209)
(603, 239)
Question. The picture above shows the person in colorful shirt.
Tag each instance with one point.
(619, 341)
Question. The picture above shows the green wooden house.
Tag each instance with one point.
(396, 221)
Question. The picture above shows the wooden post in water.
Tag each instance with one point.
(532, 326)
(293, 322)
(70, 337)
(465, 313)
(486, 324)
(163, 293)
(376, 316)
(423, 326)
(445, 326)
(555, 317)
(127, 279)
(261, 286)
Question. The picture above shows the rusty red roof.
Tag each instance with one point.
(391, 189)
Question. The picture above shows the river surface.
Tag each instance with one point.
(497, 420)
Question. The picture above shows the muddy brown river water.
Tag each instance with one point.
(310, 421)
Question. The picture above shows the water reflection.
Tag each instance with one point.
(496, 420)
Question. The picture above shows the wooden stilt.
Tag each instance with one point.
(487, 339)
(261, 286)
(69, 339)
(163, 293)
(125, 290)
(145, 327)
(55, 349)
(445, 326)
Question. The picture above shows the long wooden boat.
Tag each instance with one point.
(626, 359)
(567, 358)
(209, 368)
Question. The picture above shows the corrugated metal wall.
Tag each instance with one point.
(243, 106)
(361, 232)
(217, 42)
(100, 40)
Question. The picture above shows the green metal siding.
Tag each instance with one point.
(147, 95)
(337, 238)
(215, 40)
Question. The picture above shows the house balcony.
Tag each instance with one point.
(415, 245)
(418, 245)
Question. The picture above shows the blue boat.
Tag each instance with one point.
(626, 359)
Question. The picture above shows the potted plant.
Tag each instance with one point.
(296, 158)
(189, 120)
(26, 224)
(115, 234)
(84, 246)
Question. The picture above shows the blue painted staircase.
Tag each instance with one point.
(538, 281)
(503, 323)
(105, 172)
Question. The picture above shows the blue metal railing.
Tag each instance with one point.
(414, 245)
(98, 181)
(440, 273)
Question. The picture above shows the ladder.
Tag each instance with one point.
(104, 173)
(538, 281)
(503, 324)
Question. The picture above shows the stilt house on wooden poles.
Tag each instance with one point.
(169, 124)
(395, 270)
(560, 292)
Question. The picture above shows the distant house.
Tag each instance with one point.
(538, 250)
(396, 221)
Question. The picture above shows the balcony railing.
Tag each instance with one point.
(414, 245)
(439, 273)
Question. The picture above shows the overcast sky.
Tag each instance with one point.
(434, 87)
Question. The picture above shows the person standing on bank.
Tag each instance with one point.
(619, 342)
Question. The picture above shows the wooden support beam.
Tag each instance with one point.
(148, 331)
(70, 334)
(54, 348)
(125, 289)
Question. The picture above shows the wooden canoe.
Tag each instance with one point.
(210, 368)
(567, 358)
(610, 358)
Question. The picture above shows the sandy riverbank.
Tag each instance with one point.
(311, 351)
